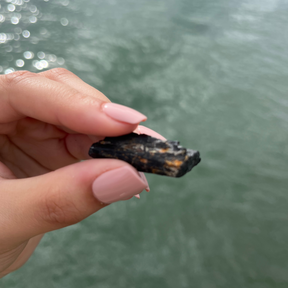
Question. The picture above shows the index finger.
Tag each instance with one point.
(27, 94)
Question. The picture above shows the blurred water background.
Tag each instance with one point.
(212, 74)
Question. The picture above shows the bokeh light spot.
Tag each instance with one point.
(26, 34)
(19, 63)
(64, 21)
(14, 20)
(11, 7)
(28, 55)
(9, 70)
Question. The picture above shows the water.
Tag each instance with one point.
(212, 74)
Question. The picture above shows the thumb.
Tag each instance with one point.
(36, 205)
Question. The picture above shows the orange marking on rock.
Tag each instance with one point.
(174, 163)
(164, 150)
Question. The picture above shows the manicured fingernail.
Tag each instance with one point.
(137, 131)
(118, 184)
(142, 175)
(123, 114)
(144, 130)
(137, 196)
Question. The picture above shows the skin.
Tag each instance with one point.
(47, 123)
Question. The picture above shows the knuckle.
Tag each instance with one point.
(78, 96)
(59, 73)
(17, 77)
(59, 211)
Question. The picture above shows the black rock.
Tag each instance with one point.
(148, 154)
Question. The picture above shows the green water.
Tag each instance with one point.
(212, 74)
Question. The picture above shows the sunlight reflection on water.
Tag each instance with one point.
(19, 35)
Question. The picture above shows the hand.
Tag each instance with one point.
(48, 121)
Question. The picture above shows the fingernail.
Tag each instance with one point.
(137, 131)
(118, 184)
(123, 114)
(142, 175)
(144, 130)
(137, 196)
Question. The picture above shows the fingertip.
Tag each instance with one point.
(118, 184)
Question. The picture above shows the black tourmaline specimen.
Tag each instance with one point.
(148, 154)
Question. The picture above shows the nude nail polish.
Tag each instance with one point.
(142, 175)
(118, 184)
(145, 130)
(123, 114)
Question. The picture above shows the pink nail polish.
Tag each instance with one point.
(142, 175)
(123, 114)
(145, 130)
(118, 184)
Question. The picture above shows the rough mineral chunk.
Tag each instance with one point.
(148, 154)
